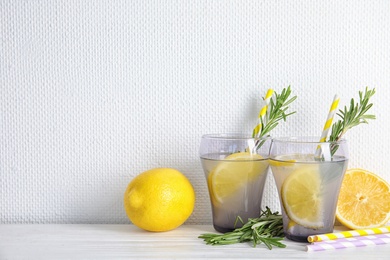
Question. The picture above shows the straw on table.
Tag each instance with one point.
(351, 233)
(368, 240)
(328, 123)
(262, 112)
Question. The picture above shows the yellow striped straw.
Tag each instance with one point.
(262, 112)
(329, 120)
(346, 234)
(328, 123)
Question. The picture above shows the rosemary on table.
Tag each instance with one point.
(277, 111)
(266, 229)
(355, 115)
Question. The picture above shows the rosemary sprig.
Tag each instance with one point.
(266, 229)
(352, 116)
(277, 111)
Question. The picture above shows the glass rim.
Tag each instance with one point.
(234, 136)
(305, 140)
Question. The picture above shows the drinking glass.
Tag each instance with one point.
(308, 176)
(235, 168)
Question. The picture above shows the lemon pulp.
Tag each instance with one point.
(364, 200)
(301, 197)
(232, 174)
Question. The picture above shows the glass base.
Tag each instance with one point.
(222, 229)
(297, 238)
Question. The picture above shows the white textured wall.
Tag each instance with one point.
(94, 92)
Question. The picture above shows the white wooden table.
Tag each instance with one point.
(47, 241)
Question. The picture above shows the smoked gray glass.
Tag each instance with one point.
(308, 175)
(235, 168)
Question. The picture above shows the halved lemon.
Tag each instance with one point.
(364, 200)
(232, 174)
(301, 196)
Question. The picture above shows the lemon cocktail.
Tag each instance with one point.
(235, 168)
(308, 185)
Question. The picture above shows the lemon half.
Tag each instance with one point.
(364, 200)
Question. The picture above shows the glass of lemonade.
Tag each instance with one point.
(308, 175)
(236, 168)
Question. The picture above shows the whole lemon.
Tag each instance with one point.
(159, 199)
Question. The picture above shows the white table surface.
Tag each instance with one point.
(52, 241)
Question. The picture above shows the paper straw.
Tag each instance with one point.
(329, 120)
(263, 111)
(351, 233)
(369, 240)
(328, 123)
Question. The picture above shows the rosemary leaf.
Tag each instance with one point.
(353, 116)
(277, 111)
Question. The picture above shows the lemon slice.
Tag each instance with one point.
(301, 197)
(276, 163)
(364, 200)
(232, 174)
(284, 160)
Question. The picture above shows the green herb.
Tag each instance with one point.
(355, 115)
(277, 111)
(266, 229)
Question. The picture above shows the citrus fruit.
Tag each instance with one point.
(285, 163)
(159, 199)
(364, 200)
(301, 196)
(233, 173)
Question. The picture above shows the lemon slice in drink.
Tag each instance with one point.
(232, 174)
(287, 163)
(301, 197)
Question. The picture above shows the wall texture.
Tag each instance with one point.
(93, 93)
